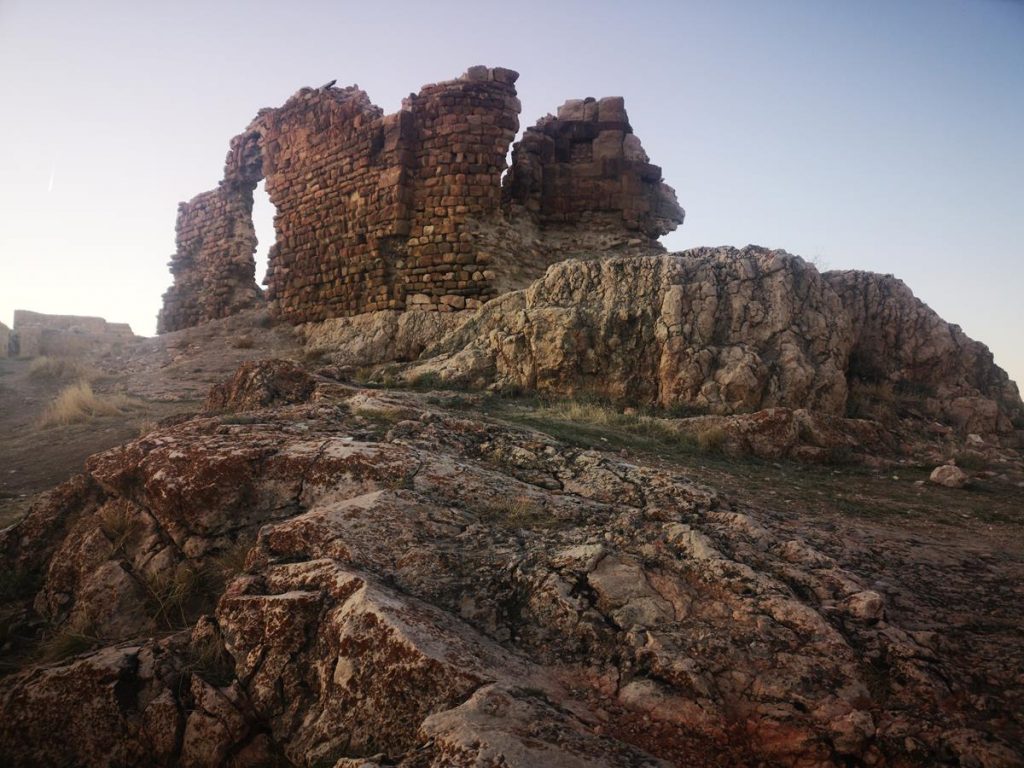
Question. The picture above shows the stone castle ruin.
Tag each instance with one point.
(414, 210)
(35, 334)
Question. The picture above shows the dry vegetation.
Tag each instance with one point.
(68, 640)
(517, 512)
(59, 369)
(593, 424)
(77, 403)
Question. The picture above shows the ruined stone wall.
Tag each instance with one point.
(407, 211)
(580, 186)
(5, 341)
(586, 170)
(372, 211)
(36, 333)
(214, 269)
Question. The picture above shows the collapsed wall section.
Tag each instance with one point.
(580, 186)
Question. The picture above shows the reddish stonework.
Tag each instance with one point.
(214, 270)
(588, 161)
(407, 211)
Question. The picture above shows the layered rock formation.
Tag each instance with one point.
(419, 589)
(904, 351)
(407, 211)
(728, 331)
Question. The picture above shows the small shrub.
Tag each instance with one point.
(56, 369)
(77, 403)
(313, 355)
(712, 440)
(243, 342)
(429, 380)
(174, 593)
(840, 454)
(69, 640)
(208, 659)
(119, 525)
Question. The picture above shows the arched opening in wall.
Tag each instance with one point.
(263, 222)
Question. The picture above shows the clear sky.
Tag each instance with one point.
(882, 135)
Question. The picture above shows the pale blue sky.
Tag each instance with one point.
(870, 135)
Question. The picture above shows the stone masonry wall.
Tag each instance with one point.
(580, 186)
(372, 210)
(214, 269)
(36, 333)
(407, 211)
(587, 167)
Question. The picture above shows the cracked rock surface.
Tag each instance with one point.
(417, 587)
(730, 331)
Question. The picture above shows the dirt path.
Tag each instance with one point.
(162, 377)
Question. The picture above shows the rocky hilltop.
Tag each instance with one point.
(500, 482)
(368, 579)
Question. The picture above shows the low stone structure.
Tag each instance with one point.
(36, 334)
(408, 211)
(5, 341)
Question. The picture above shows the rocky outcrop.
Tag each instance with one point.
(378, 337)
(261, 384)
(423, 589)
(726, 331)
(905, 353)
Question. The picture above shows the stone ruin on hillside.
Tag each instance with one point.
(35, 334)
(411, 211)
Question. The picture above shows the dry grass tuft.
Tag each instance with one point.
(600, 415)
(119, 525)
(175, 593)
(57, 369)
(712, 440)
(226, 564)
(208, 659)
(147, 426)
(77, 403)
(73, 638)
(519, 512)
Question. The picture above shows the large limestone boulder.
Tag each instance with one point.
(729, 331)
(721, 329)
